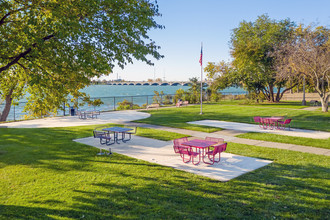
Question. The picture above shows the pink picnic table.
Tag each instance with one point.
(200, 146)
(269, 121)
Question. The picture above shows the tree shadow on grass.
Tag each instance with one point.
(278, 192)
(123, 187)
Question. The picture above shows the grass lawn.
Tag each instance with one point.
(45, 175)
(321, 143)
(282, 104)
(177, 117)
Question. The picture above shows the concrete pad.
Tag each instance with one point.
(305, 149)
(67, 121)
(255, 128)
(161, 152)
(276, 145)
(232, 133)
(247, 141)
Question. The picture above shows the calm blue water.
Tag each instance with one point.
(111, 95)
(127, 90)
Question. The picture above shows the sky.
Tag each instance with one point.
(188, 23)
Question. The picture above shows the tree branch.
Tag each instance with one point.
(2, 21)
(23, 54)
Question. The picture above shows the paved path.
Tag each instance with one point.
(67, 121)
(313, 108)
(161, 152)
(244, 127)
(229, 136)
(130, 115)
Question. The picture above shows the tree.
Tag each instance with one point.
(194, 90)
(12, 87)
(252, 44)
(307, 55)
(222, 75)
(60, 45)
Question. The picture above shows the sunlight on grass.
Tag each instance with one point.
(321, 143)
(50, 176)
(178, 117)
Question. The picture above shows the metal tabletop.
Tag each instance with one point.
(117, 129)
(199, 143)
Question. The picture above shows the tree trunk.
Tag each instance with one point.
(6, 110)
(325, 103)
(279, 94)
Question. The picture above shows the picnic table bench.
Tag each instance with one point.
(88, 114)
(182, 103)
(314, 103)
(154, 105)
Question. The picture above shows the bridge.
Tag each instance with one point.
(145, 83)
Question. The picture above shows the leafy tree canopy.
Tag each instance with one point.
(59, 45)
(252, 43)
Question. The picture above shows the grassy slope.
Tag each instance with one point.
(45, 175)
(177, 117)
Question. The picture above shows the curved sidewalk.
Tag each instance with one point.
(244, 127)
(229, 136)
(116, 117)
(122, 117)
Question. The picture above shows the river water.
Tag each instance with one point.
(111, 95)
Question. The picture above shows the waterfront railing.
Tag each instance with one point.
(111, 103)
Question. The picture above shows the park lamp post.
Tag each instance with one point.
(304, 100)
(201, 62)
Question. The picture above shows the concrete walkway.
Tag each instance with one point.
(229, 136)
(68, 121)
(244, 127)
(161, 152)
(122, 117)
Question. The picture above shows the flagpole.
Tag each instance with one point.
(201, 61)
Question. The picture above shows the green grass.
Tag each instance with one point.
(178, 117)
(45, 175)
(282, 104)
(155, 134)
(320, 143)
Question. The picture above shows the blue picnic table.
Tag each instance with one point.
(116, 131)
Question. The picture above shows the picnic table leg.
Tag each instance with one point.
(264, 125)
(192, 155)
(100, 153)
(203, 156)
(109, 140)
(116, 137)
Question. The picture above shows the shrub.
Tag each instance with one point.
(126, 105)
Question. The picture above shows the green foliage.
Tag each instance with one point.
(223, 75)
(12, 87)
(252, 44)
(58, 46)
(194, 91)
(179, 94)
(157, 98)
(97, 102)
(168, 99)
(126, 105)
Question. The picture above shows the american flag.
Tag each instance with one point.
(201, 58)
